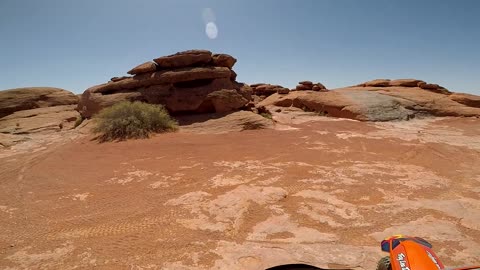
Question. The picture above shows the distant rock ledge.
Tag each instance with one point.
(380, 100)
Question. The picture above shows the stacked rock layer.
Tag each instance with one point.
(265, 89)
(194, 81)
(308, 85)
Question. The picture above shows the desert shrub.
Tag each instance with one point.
(266, 115)
(127, 120)
(78, 121)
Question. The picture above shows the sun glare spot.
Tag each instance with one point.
(211, 30)
(208, 17)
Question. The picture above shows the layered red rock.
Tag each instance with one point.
(223, 60)
(380, 103)
(182, 82)
(466, 99)
(309, 85)
(184, 59)
(405, 83)
(265, 89)
(143, 68)
(40, 120)
(19, 99)
(36, 110)
(116, 79)
(377, 83)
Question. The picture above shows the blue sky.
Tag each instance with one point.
(77, 44)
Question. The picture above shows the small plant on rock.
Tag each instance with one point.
(129, 120)
(78, 121)
(266, 115)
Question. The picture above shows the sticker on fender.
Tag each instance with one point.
(402, 261)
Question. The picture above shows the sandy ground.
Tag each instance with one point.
(322, 192)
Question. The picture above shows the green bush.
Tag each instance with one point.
(79, 121)
(126, 120)
(266, 115)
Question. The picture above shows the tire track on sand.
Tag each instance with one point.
(107, 229)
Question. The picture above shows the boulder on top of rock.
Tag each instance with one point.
(306, 83)
(184, 59)
(116, 79)
(19, 99)
(223, 60)
(143, 68)
(319, 87)
(265, 89)
(283, 91)
(433, 87)
(302, 87)
(405, 82)
(378, 83)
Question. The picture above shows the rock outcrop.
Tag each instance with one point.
(26, 111)
(185, 82)
(19, 99)
(265, 89)
(308, 85)
(406, 83)
(466, 99)
(40, 120)
(395, 100)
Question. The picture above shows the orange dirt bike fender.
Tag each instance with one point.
(412, 255)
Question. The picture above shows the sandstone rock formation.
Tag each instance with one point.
(185, 59)
(184, 82)
(466, 99)
(265, 89)
(398, 100)
(54, 118)
(142, 68)
(405, 83)
(25, 111)
(19, 99)
(308, 85)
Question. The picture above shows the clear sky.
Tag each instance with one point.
(76, 44)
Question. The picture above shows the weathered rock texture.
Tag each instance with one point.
(54, 118)
(265, 89)
(406, 83)
(37, 110)
(466, 99)
(19, 99)
(381, 100)
(308, 85)
(237, 121)
(185, 82)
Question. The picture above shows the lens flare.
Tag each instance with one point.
(208, 15)
(211, 30)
